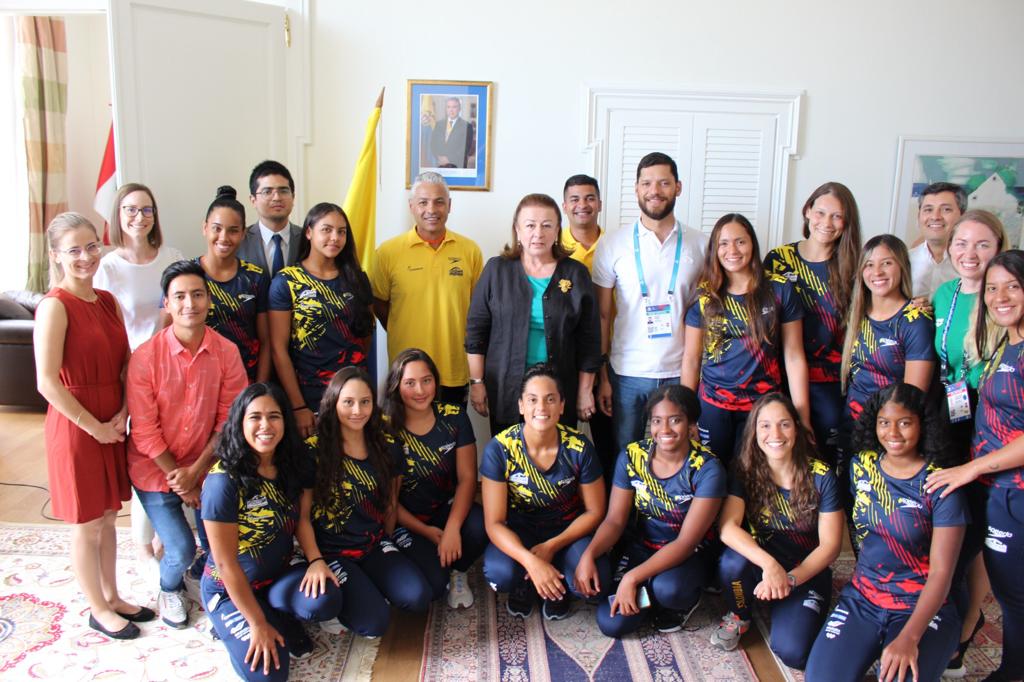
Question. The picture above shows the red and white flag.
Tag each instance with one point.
(106, 185)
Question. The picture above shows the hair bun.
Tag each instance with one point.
(226, 192)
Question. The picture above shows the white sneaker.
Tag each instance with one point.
(729, 631)
(192, 588)
(459, 594)
(173, 609)
(332, 626)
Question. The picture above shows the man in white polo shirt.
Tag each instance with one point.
(939, 207)
(651, 267)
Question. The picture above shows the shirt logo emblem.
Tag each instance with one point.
(1003, 367)
(245, 298)
(256, 502)
(565, 285)
(639, 486)
(415, 268)
(454, 259)
(767, 310)
(519, 478)
(791, 276)
(863, 486)
(565, 481)
(307, 293)
(908, 504)
(455, 271)
(682, 499)
(446, 448)
(885, 343)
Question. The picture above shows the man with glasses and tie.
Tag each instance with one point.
(453, 141)
(273, 241)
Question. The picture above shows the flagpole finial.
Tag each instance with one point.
(380, 99)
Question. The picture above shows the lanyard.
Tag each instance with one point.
(943, 353)
(640, 267)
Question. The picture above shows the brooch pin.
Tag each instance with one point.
(565, 285)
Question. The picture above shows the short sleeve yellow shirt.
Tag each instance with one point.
(428, 292)
(577, 250)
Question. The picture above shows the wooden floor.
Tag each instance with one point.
(23, 462)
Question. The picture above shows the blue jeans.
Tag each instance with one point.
(165, 512)
(629, 397)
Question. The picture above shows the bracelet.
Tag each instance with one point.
(791, 579)
(474, 382)
(79, 418)
(300, 407)
(319, 558)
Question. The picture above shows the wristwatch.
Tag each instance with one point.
(791, 579)
(474, 382)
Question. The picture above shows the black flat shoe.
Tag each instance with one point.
(129, 631)
(143, 615)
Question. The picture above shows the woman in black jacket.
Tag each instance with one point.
(532, 304)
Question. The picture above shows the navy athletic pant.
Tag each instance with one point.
(721, 430)
(1004, 559)
(677, 589)
(423, 552)
(796, 619)
(282, 603)
(827, 405)
(856, 631)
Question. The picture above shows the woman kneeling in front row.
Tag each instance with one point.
(909, 533)
(782, 525)
(675, 486)
(543, 495)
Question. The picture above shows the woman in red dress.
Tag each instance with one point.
(81, 353)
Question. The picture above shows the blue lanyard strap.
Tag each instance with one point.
(640, 267)
(943, 352)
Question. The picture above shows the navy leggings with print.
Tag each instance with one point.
(1004, 558)
(423, 552)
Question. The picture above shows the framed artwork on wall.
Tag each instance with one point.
(448, 130)
(990, 171)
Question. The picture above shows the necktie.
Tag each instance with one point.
(448, 130)
(278, 255)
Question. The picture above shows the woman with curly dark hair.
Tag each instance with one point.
(441, 528)
(895, 605)
(742, 326)
(320, 312)
(782, 525)
(250, 508)
(355, 505)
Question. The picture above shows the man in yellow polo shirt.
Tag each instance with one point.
(422, 281)
(581, 201)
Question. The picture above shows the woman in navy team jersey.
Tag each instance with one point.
(250, 506)
(896, 605)
(441, 528)
(543, 494)
(998, 449)
(320, 318)
(238, 289)
(782, 525)
(355, 504)
(673, 487)
(823, 269)
(742, 325)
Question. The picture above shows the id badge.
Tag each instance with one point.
(959, 402)
(659, 321)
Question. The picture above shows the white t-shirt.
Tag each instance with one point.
(928, 275)
(137, 289)
(633, 354)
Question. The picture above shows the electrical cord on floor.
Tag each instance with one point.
(42, 510)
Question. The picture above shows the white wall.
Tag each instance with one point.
(88, 117)
(870, 74)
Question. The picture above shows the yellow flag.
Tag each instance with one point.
(361, 200)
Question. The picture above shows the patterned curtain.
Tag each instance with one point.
(42, 54)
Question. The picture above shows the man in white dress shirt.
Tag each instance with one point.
(939, 207)
(273, 241)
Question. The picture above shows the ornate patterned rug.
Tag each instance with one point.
(460, 645)
(982, 658)
(44, 634)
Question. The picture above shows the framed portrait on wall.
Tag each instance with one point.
(990, 171)
(449, 131)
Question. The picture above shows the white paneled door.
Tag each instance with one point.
(200, 97)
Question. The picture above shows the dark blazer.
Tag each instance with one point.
(251, 249)
(459, 146)
(499, 322)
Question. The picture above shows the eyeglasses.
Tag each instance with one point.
(75, 252)
(267, 192)
(132, 211)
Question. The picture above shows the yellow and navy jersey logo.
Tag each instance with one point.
(527, 486)
(314, 306)
(649, 495)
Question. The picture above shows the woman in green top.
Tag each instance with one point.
(974, 240)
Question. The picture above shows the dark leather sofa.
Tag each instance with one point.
(17, 360)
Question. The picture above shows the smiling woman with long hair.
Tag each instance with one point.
(320, 317)
(251, 503)
(782, 525)
(355, 506)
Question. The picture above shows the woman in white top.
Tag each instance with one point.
(131, 272)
